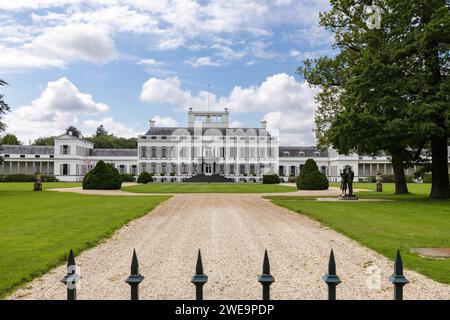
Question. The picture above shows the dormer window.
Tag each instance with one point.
(301, 154)
(286, 153)
(317, 154)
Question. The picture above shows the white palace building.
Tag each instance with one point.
(206, 147)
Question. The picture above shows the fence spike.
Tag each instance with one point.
(331, 279)
(397, 278)
(135, 278)
(266, 279)
(71, 278)
(199, 279)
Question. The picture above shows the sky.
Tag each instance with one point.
(121, 63)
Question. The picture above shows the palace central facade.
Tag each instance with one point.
(206, 146)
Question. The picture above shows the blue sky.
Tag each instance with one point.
(120, 63)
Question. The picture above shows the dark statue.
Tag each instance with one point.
(347, 176)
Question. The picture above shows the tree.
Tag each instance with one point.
(103, 177)
(369, 102)
(3, 106)
(311, 178)
(74, 131)
(100, 132)
(44, 141)
(10, 139)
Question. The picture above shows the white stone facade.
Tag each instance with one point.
(207, 146)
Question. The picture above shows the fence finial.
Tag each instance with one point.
(266, 279)
(71, 278)
(199, 279)
(397, 278)
(135, 277)
(331, 279)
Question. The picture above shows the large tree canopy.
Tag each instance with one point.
(10, 139)
(44, 141)
(103, 140)
(3, 106)
(376, 93)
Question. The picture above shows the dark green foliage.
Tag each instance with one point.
(271, 179)
(427, 178)
(103, 140)
(26, 178)
(75, 132)
(10, 139)
(311, 178)
(103, 177)
(127, 177)
(44, 141)
(3, 106)
(145, 177)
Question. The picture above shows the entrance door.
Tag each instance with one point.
(208, 169)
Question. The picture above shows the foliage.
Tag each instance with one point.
(20, 177)
(75, 132)
(103, 177)
(4, 107)
(10, 139)
(389, 178)
(103, 140)
(145, 177)
(44, 141)
(387, 89)
(127, 177)
(271, 179)
(311, 178)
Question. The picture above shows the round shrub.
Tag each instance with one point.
(127, 177)
(271, 179)
(103, 177)
(311, 178)
(145, 177)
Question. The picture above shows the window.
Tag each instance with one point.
(6, 155)
(65, 169)
(317, 154)
(143, 152)
(184, 169)
(134, 169)
(323, 169)
(52, 156)
(153, 152)
(22, 156)
(286, 154)
(37, 156)
(122, 169)
(292, 173)
(231, 169)
(281, 171)
(301, 154)
(164, 152)
(65, 149)
(153, 168)
(242, 169)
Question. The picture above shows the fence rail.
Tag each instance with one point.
(200, 279)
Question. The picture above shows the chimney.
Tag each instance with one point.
(190, 109)
(70, 133)
(226, 110)
(152, 123)
(264, 124)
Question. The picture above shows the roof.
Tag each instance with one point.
(65, 135)
(167, 131)
(294, 152)
(113, 153)
(20, 149)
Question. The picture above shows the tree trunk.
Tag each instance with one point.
(399, 175)
(439, 169)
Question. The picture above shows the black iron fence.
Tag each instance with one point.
(200, 279)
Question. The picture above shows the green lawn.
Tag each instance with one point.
(37, 229)
(408, 221)
(208, 188)
(28, 186)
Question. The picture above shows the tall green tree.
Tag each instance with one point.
(44, 141)
(103, 140)
(370, 99)
(3, 106)
(10, 139)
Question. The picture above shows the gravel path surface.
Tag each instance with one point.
(232, 231)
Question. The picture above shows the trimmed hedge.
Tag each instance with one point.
(311, 178)
(20, 177)
(389, 178)
(145, 177)
(427, 178)
(103, 177)
(271, 179)
(127, 177)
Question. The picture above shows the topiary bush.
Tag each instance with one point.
(145, 177)
(271, 179)
(103, 177)
(311, 178)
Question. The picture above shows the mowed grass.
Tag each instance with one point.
(28, 186)
(407, 221)
(189, 187)
(37, 229)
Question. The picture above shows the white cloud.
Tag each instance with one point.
(287, 105)
(165, 121)
(75, 42)
(113, 127)
(203, 62)
(59, 106)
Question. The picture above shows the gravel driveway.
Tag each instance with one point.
(232, 231)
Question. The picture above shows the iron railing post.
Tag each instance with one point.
(135, 277)
(199, 279)
(331, 279)
(266, 279)
(72, 278)
(397, 278)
